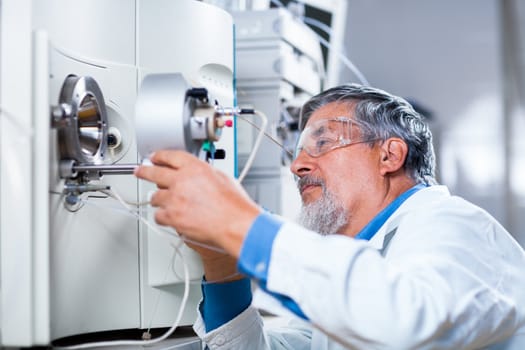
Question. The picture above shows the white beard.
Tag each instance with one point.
(325, 216)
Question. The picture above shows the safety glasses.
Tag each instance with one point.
(325, 135)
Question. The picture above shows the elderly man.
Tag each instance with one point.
(383, 257)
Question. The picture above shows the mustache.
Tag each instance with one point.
(308, 180)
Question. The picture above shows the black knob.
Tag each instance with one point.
(112, 140)
(198, 93)
(218, 154)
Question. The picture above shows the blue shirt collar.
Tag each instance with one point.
(373, 226)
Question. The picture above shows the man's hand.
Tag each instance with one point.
(198, 200)
(218, 265)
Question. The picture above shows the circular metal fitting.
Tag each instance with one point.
(82, 134)
(162, 115)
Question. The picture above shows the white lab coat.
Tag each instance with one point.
(440, 274)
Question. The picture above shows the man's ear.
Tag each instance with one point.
(393, 154)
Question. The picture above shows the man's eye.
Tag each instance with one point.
(323, 143)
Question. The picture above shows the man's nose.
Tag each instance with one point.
(302, 164)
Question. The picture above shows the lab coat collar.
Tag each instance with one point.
(381, 239)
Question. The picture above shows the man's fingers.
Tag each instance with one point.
(172, 158)
(160, 175)
(162, 217)
(159, 198)
(165, 165)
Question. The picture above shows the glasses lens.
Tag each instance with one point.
(324, 135)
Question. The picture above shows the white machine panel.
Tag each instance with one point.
(94, 251)
(99, 29)
(105, 270)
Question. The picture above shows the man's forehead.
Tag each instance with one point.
(332, 110)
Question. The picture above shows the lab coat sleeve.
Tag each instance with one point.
(247, 331)
(429, 294)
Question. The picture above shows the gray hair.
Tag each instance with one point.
(380, 116)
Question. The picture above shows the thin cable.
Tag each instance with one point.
(181, 308)
(137, 204)
(255, 148)
(175, 272)
(204, 245)
(129, 203)
(226, 278)
(144, 342)
(180, 240)
(105, 206)
(278, 3)
(159, 230)
(318, 24)
(270, 137)
(312, 21)
(349, 64)
(157, 299)
(319, 65)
